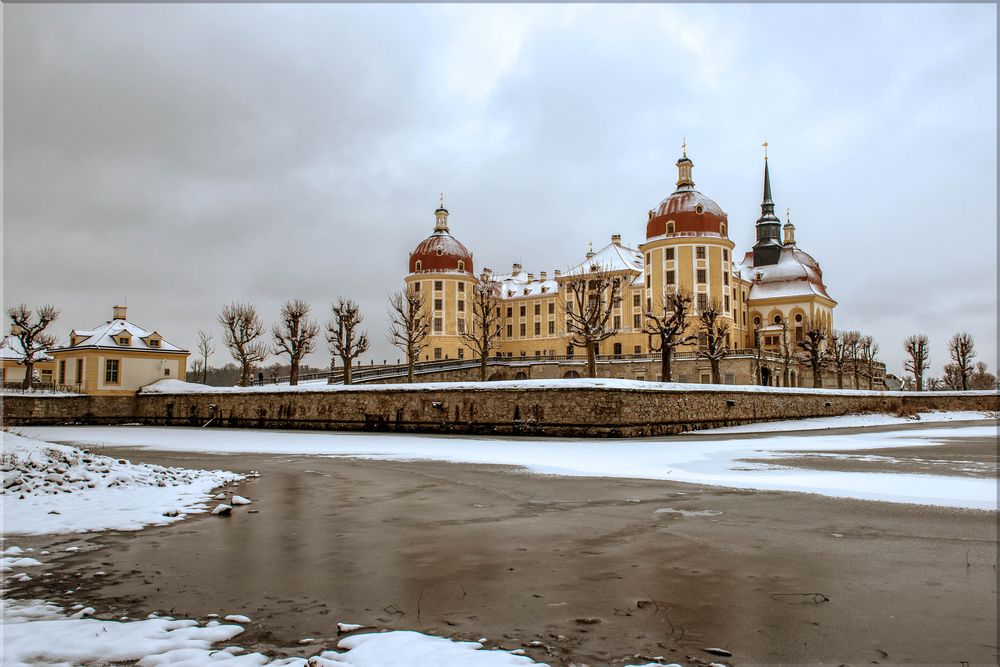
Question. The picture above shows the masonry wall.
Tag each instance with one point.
(572, 411)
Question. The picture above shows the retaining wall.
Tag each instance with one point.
(481, 409)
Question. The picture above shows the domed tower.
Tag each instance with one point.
(688, 247)
(441, 270)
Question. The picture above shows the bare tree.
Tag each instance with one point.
(594, 296)
(343, 334)
(814, 347)
(197, 369)
(29, 330)
(868, 358)
(842, 348)
(953, 377)
(919, 352)
(241, 327)
(295, 335)
(483, 335)
(757, 358)
(667, 328)
(962, 349)
(409, 325)
(787, 352)
(854, 360)
(934, 384)
(205, 349)
(981, 378)
(714, 331)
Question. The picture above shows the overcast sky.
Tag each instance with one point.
(180, 157)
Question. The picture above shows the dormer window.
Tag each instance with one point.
(439, 252)
(419, 265)
(154, 343)
(699, 209)
(670, 228)
(722, 228)
(461, 265)
(123, 340)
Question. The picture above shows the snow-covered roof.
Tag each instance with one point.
(110, 333)
(796, 274)
(612, 257)
(11, 348)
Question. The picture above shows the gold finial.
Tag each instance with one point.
(765, 149)
(442, 200)
(788, 215)
(684, 146)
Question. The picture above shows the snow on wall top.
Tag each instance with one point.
(110, 333)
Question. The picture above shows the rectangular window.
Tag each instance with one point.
(649, 281)
(62, 371)
(636, 300)
(670, 277)
(438, 304)
(669, 254)
(725, 258)
(416, 287)
(461, 326)
(552, 307)
(154, 343)
(437, 352)
(699, 252)
(702, 301)
(725, 277)
(79, 371)
(538, 309)
(637, 350)
(524, 329)
(618, 322)
(461, 306)
(461, 287)
(727, 303)
(701, 276)
(123, 340)
(730, 378)
(438, 325)
(166, 372)
(552, 328)
(510, 331)
(636, 321)
(111, 371)
(523, 311)
(649, 257)
(538, 328)
(438, 285)
(510, 312)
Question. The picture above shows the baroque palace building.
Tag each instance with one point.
(775, 290)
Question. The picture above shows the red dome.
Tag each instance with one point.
(690, 211)
(441, 252)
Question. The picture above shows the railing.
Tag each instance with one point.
(41, 387)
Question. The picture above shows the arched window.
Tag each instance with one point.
(461, 265)
(777, 319)
(798, 317)
(419, 265)
(722, 228)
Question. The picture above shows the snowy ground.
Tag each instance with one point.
(40, 633)
(49, 489)
(696, 459)
(849, 421)
(172, 386)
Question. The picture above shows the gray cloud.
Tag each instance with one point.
(185, 156)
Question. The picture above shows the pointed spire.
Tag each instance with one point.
(767, 203)
(767, 249)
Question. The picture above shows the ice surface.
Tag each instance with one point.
(712, 460)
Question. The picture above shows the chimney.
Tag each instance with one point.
(119, 313)
(543, 276)
(531, 277)
(557, 272)
(616, 239)
(517, 269)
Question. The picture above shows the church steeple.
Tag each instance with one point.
(767, 250)
(684, 179)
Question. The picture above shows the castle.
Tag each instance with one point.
(774, 293)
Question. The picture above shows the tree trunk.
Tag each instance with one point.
(665, 375)
(716, 372)
(347, 370)
(840, 379)
(409, 365)
(204, 372)
(591, 361)
(245, 375)
(817, 376)
(293, 373)
(482, 368)
(29, 372)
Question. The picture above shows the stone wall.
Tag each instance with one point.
(480, 409)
